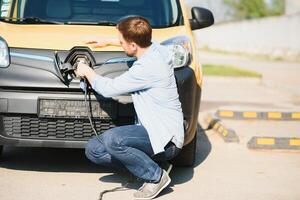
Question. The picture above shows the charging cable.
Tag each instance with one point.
(85, 86)
(88, 111)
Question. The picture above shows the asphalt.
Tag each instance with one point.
(277, 75)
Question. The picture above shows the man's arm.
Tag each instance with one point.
(133, 80)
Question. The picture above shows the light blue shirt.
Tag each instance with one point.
(152, 84)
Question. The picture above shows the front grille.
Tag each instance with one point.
(51, 128)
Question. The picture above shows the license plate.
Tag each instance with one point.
(66, 108)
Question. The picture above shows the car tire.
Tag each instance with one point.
(186, 157)
(1, 149)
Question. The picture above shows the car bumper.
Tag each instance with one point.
(20, 124)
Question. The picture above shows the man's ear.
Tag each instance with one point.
(134, 46)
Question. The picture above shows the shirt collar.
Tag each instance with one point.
(150, 49)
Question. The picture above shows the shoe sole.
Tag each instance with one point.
(157, 193)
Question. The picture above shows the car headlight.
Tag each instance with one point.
(181, 50)
(4, 55)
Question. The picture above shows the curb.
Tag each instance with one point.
(246, 115)
(217, 125)
(274, 143)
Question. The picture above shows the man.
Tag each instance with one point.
(159, 134)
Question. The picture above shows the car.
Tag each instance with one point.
(41, 41)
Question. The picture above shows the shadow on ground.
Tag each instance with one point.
(48, 160)
(179, 175)
(74, 160)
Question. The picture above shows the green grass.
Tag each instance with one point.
(227, 70)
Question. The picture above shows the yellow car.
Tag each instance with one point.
(41, 103)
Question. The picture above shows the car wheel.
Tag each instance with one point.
(186, 157)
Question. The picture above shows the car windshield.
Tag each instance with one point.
(160, 13)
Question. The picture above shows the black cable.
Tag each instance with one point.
(89, 114)
(116, 189)
(89, 111)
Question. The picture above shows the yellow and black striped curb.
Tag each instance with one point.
(274, 143)
(216, 124)
(274, 115)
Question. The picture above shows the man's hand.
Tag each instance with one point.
(84, 70)
(102, 42)
(97, 44)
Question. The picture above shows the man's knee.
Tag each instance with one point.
(88, 150)
(93, 148)
(113, 139)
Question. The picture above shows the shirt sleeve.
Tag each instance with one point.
(134, 79)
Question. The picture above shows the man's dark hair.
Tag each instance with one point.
(136, 29)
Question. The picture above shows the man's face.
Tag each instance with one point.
(130, 48)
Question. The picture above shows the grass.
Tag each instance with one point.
(251, 56)
(227, 70)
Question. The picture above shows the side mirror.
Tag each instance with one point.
(201, 18)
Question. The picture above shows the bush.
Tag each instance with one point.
(248, 9)
(277, 7)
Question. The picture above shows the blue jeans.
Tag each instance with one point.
(129, 146)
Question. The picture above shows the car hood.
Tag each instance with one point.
(65, 37)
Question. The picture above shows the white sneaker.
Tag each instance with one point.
(151, 190)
